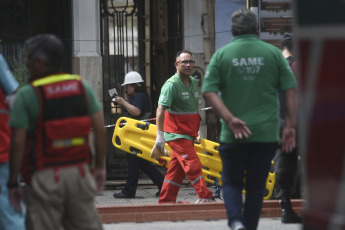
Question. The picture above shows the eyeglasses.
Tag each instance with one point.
(186, 62)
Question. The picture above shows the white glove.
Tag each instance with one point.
(160, 141)
(198, 138)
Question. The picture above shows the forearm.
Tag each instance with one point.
(160, 115)
(291, 105)
(134, 111)
(16, 154)
(100, 139)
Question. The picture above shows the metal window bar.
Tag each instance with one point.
(119, 49)
(14, 29)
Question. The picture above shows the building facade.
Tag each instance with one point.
(105, 39)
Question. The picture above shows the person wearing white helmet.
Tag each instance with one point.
(138, 106)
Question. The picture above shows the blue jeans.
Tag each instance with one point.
(134, 165)
(9, 217)
(255, 159)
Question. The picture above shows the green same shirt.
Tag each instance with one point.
(26, 107)
(248, 73)
(188, 102)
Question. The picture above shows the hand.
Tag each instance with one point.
(198, 138)
(239, 128)
(99, 175)
(120, 100)
(288, 139)
(160, 141)
(16, 197)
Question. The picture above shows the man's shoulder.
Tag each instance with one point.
(172, 79)
(170, 82)
(27, 94)
(26, 89)
(269, 46)
(193, 80)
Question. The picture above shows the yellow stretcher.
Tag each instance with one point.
(138, 138)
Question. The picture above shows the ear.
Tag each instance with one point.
(175, 64)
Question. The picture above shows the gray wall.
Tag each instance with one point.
(224, 9)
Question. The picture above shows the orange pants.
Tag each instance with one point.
(183, 162)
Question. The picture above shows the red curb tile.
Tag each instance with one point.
(181, 212)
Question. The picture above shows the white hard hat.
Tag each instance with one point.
(132, 78)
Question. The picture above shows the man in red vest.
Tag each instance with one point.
(51, 120)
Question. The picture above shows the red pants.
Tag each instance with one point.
(183, 162)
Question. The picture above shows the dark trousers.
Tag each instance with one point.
(285, 167)
(134, 165)
(255, 159)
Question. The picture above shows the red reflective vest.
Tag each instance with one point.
(5, 130)
(61, 132)
(182, 123)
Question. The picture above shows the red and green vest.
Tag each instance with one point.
(61, 132)
(182, 117)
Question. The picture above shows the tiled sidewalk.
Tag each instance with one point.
(145, 195)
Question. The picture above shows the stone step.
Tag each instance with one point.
(182, 212)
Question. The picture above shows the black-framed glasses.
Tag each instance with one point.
(190, 62)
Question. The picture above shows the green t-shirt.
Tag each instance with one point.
(248, 73)
(25, 110)
(169, 97)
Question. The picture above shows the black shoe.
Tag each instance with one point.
(157, 193)
(121, 195)
(291, 217)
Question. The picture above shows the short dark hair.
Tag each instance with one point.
(183, 51)
(287, 42)
(47, 47)
(243, 21)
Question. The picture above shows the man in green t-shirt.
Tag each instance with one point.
(51, 121)
(178, 122)
(241, 84)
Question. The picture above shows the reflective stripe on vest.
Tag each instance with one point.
(54, 79)
(182, 113)
(76, 141)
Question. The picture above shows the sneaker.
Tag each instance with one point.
(203, 200)
(122, 195)
(237, 226)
